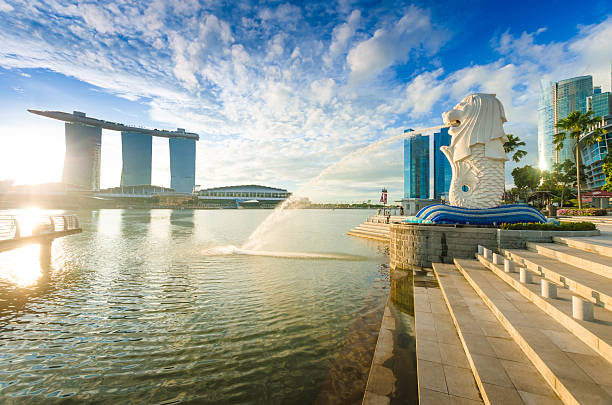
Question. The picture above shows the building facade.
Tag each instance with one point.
(600, 103)
(82, 159)
(592, 157)
(182, 164)
(557, 101)
(427, 172)
(83, 146)
(136, 151)
(246, 196)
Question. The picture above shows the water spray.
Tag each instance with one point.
(256, 239)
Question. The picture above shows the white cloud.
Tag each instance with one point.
(389, 45)
(341, 35)
(5, 7)
(276, 101)
(323, 90)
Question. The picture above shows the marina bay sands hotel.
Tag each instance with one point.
(83, 146)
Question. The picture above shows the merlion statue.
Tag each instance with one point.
(476, 152)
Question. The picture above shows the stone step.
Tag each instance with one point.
(591, 286)
(502, 371)
(375, 227)
(373, 230)
(592, 262)
(444, 373)
(594, 244)
(577, 373)
(595, 334)
(361, 234)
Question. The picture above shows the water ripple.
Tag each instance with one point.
(133, 311)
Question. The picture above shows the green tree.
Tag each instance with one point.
(574, 126)
(513, 144)
(607, 169)
(560, 179)
(526, 178)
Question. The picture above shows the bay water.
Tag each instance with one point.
(163, 306)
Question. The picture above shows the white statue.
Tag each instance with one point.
(476, 152)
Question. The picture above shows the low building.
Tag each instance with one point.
(245, 196)
(139, 191)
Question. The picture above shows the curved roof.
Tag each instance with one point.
(245, 187)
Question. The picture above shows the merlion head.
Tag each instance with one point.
(478, 118)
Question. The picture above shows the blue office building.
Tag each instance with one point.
(427, 172)
(136, 151)
(600, 103)
(182, 164)
(546, 126)
(557, 101)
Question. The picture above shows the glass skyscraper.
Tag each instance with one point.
(600, 103)
(136, 151)
(427, 172)
(182, 164)
(82, 159)
(546, 126)
(556, 101)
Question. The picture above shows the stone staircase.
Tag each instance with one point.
(376, 230)
(535, 325)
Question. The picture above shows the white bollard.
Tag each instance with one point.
(508, 266)
(487, 254)
(525, 276)
(498, 259)
(582, 309)
(548, 289)
(481, 250)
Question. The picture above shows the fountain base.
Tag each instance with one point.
(449, 214)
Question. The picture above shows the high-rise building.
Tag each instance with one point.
(592, 156)
(600, 103)
(136, 151)
(182, 164)
(427, 172)
(83, 145)
(557, 101)
(546, 126)
(82, 160)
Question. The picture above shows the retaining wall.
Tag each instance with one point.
(418, 246)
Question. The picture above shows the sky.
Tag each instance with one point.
(278, 91)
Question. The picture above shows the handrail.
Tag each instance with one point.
(45, 224)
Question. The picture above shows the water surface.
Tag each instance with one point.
(136, 309)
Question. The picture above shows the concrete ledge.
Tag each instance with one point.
(591, 286)
(498, 364)
(598, 337)
(582, 244)
(517, 239)
(592, 262)
(539, 337)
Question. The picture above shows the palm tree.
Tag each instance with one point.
(574, 125)
(512, 144)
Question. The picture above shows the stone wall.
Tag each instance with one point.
(417, 246)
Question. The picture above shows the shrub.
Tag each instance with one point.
(563, 226)
(585, 212)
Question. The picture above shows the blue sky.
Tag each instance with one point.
(278, 91)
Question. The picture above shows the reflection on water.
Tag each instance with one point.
(131, 310)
